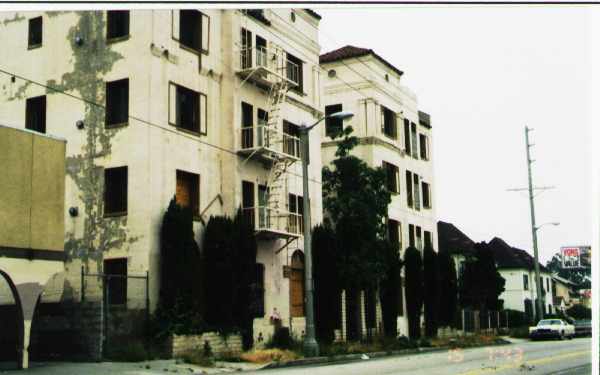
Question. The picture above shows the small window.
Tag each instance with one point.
(247, 125)
(419, 238)
(187, 191)
(190, 29)
(35, 33)
(388, 123)
(115, 191)
(423, 147)
(407, 137)
(187, 109)
(258, 291)
(411, 235)
(333, 126)
(426, 195)
(115, 271)
(248, 202)
(294, 72)
(413, 140)
(409, 189)
(394, 231)
(35, 114)
(417, 196)
(525, 282)
(392, 175)
(427, 238)
(117, 103)
(262, 57)
(117, 24)
(291, 143)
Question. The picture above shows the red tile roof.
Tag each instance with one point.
(349, 52)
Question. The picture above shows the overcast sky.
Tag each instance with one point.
(483, 73)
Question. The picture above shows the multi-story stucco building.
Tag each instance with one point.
(392, 134)
(516, 266)
(200, 105)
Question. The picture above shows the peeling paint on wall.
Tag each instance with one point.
(92, 60)
(19, 94)
(16, 18)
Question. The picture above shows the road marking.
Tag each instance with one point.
(540, 361)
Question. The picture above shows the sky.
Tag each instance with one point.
(484, 73)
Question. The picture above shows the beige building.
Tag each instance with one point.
(32, 191)
(201, 105)
(394, 134)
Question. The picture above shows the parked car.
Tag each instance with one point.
(552, 328)
(583, 327)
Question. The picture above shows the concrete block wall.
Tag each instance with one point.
(219, 345)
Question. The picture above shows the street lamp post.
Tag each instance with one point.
(311, 347)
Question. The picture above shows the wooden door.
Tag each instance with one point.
(297, 285)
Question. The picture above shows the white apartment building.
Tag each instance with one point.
(516, 266)
(202, 105)
(392, 134)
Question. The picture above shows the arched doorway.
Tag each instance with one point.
(11, 324)
(297, 285)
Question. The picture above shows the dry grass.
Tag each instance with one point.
(269, 355)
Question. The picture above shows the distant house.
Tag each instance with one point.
(517, 267)
(562, 289)
(454, 241)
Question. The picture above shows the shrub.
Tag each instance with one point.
(517, 318)
(282, 340)
(128, 351)
(579, 312)
(269, 355)
(519, 332)
(197, 357)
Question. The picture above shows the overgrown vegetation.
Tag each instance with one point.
(413, 274)
(579, 312)
(480, 282)
(431, 287)
(448, 289)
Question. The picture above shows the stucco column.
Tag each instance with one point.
(28, 295)
(363, 314)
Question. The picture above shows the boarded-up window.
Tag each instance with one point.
(117, 103)
(34, 38)
(115, 271)
(392, 175)
(187, 191)
(297, 285)
(333, 126)
(117, 24)
(188, 109)
(35, 114)
(115, 191)
(409, 189)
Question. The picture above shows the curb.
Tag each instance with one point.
(358, 356)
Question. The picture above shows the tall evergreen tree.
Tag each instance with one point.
(430, 284)
(389, 292)
(413, 274)
(448, 289)
(481, 284)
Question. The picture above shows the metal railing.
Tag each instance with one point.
(264, 218)
(263, 136)
(254, 57)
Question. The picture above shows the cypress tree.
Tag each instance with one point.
(413, 274)
(389, 290)
(430, 284)
(448, 290)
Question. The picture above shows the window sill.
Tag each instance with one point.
(34, 46)
(192, 132)
(118, 39)
(193, 50)
(116, 126)
(114, 214)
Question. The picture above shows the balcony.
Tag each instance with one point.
(267, 144)
(267, 67)
(272, 224)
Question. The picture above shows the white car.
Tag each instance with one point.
(557, 328)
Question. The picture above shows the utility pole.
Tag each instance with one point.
(539, 306)
(538, 281)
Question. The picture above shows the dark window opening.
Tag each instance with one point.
(188, 109)
(409, 188)
(525, 282)
(407, 137)
(417, 195)
(333, 126)
(419, 238)
(427, 239)
(35, 32)
(247, 125)
(261, 51)
(248, 201)
(423, 147)
(392, 175)
(258, 291)
(246, 51)
(388, 122)
(411, 235)
(426, 195)
(394, 231)
(115, 191)
(187, 191)
(291, 144)
(117, 24)
(294, 72)
(413, 140)
(35, 114)
(117, 102)
(190, 29)
(115, 271)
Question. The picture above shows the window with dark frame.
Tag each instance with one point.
(411, 235)
(115, 191)
(419, 238)
(34, 38)
(394, 232)
(423, 150)
(258, 291)
(409, 189)
(413, 140)
(190, 29)
(117, 103)
(117, 24)
(188, 109)
(247, 125)
(246, 50)
(187, 191)
(525, 282)
(248, 201)
(294, 71)
(426, 195)
(407, 137)
(392, 175)
(388, 123)
(295, 206)
(291, 144)
(333, 126)
(115, 271)
(35, 114)
(427, 239)
(417, 195)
